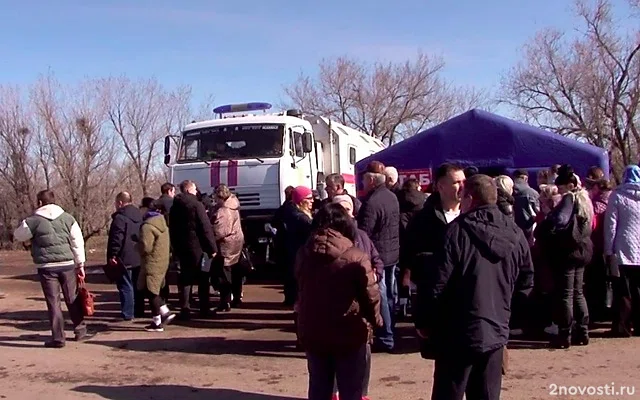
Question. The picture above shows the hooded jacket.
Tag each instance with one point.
(484, 260)
(338, 298)
(154, 248)
(56, 237)
(125, 226)
(228, 231)
(622, 224)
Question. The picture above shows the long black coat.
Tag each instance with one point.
(191, 233)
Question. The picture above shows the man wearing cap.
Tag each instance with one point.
(527, 202)
(379, 217)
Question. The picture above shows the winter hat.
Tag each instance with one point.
(344, 198)
(632, 174)
(300, 193)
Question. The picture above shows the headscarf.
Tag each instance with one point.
(631, 174)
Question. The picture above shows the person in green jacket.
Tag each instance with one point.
(154, 248)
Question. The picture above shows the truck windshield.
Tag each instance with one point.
(232, 142)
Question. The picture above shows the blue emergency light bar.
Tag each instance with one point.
(230, 108)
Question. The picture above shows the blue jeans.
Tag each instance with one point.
(384, 334)
(391, 281)
(131, 299)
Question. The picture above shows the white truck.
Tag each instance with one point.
(259, 155)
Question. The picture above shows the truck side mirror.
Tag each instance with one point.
(167, 146)
(167, 159)
(307, 142)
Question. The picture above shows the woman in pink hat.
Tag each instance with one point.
(297, 223)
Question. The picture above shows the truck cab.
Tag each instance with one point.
(258, 155)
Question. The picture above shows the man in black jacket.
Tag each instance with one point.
(425, 231)
(485, 257)
(121, 251)
(379, 217)
(191, 239)
(168, 191)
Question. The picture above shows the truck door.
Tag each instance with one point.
(303, 164)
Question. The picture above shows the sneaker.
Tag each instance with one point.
(560, 343)
(185, 315)
(223, 307)
(53, 345)
(236, 303)
(167, 318)
(154, 328)
(580, 341)
(85, 336)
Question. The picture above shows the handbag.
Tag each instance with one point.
(86, 298)
(116, 271)
(245, 263)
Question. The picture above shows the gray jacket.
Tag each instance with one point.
(526, 206)
(622, 224)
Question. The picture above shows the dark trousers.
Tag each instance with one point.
(156, 301)
(367, 375)
(348, 369)
(52, 280)
(570, 303)
(165, 292)
(627, 302)
(479, 376)
(131, 299)
(186, 281)
(595, 288)
(230, 280)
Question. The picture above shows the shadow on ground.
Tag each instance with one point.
(207, 345)
(172, 392)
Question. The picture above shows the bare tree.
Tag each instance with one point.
(72, 119)
(384, 100)
(587, 88)
(18, 169)
(142, 113)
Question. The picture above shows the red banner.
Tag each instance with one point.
(423, 176)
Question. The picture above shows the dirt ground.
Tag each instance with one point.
(248, 355)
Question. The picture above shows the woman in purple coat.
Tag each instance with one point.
(364, 243)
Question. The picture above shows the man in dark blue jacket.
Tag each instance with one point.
(485, 259)
(122, 252)
(379, 217)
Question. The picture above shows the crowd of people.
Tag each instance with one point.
(475, 256)
(204, 242)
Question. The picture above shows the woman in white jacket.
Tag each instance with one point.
(622, 248)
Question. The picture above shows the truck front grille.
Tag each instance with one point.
(248, 199)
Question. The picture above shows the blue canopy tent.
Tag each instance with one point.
(489, 142)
